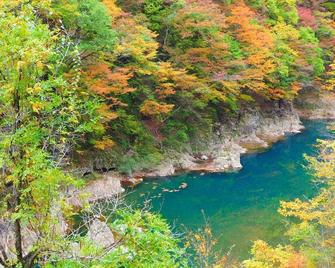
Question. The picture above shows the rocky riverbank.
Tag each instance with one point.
(251, 131)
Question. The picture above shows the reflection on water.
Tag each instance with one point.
(242, 206)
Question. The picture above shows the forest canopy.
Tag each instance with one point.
(179, 67)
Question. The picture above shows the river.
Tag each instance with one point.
(242, 206)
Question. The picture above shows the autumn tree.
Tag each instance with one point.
(259, 43)
(280, 257)
(330, 77)
(307, 18)
(197, 43)
(278, 11)
(43, 116)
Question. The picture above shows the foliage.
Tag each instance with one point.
(88, 23)
(148, 239)
(44, 117)
(330, 77)
(177, 63)
(145, 240)
(136, 80)
(306, 17)
(202, 244)
(266, 256)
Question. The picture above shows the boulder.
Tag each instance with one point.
(105, 187)
(100, 234)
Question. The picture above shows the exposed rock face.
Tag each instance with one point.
(105, 187)
(100, 234)
(253, 130)
(316, 105)
(167, 168)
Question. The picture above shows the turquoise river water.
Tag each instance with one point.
(242, 206)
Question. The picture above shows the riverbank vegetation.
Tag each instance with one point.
(124, 82)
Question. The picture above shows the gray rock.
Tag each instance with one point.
(165, 169)
(105, 187)
(100, 234)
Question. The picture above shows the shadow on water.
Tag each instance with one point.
(241, 206)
